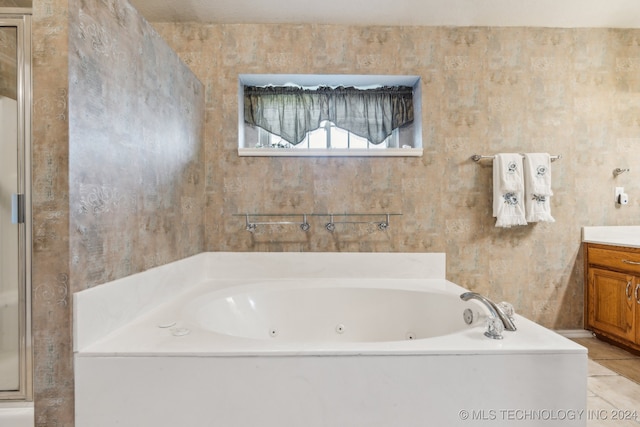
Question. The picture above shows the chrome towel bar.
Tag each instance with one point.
(252, 220)
(478, 157)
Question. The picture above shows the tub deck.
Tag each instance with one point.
(131, 372)
(159, 331)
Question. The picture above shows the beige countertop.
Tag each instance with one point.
(625, 235)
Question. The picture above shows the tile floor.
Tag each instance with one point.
(613, 397)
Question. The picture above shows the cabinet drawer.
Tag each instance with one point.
(615, 259)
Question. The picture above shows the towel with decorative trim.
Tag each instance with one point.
(537, 173)
(508, 190)
(537, 188)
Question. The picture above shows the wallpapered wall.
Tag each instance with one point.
(135, 164)
(51, 303)
(118, 176)
(569, 92)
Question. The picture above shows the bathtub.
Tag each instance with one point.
(250, 339)
(314, 311)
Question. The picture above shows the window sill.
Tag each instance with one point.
(321, 152)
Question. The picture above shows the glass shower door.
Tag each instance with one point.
(15, 212)
(9, 228)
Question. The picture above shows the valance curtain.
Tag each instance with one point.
(291, 112)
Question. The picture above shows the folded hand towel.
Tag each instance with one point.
(508, 192)
(537, 178)
(510, 211)
(538, 208)
(510, 172)
(537, 173)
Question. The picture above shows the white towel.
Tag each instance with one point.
(538, 208)
(537, 178)
(510, 172)
(508, 190)
(537, 173)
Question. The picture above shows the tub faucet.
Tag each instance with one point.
(495, 311)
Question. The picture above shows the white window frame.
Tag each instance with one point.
(248, 148)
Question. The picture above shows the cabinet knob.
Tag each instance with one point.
(627, 291)
(626, 261)
(637, 292)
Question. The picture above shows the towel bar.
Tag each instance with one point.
(477, 157)
(251, 225)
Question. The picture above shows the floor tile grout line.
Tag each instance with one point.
(605, 362)
(615, 373)
(607, 400)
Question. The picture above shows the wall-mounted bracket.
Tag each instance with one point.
(620, 171)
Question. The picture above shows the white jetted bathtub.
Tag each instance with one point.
(313, 311)
(313, 339)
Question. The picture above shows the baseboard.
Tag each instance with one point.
(574, 333)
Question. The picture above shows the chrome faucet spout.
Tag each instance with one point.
(493, 308)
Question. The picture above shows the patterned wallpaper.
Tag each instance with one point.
(51, 304)
(135, 119)
(117, 169)
(569, 92)
(124, 204)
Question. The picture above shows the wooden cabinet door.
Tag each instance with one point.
(636, 302)
(612, 303)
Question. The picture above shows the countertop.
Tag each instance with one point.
(625, 235)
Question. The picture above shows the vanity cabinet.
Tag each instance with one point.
(612, 300)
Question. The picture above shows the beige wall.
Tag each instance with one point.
(117, 170)
(136, 114)
(571, 92)
(51, 301)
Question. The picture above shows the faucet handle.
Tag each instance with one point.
(495, 327)
(508, 309)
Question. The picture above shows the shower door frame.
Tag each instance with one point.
(20, 18)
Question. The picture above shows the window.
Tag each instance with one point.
(329, 115)
(327, 136)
